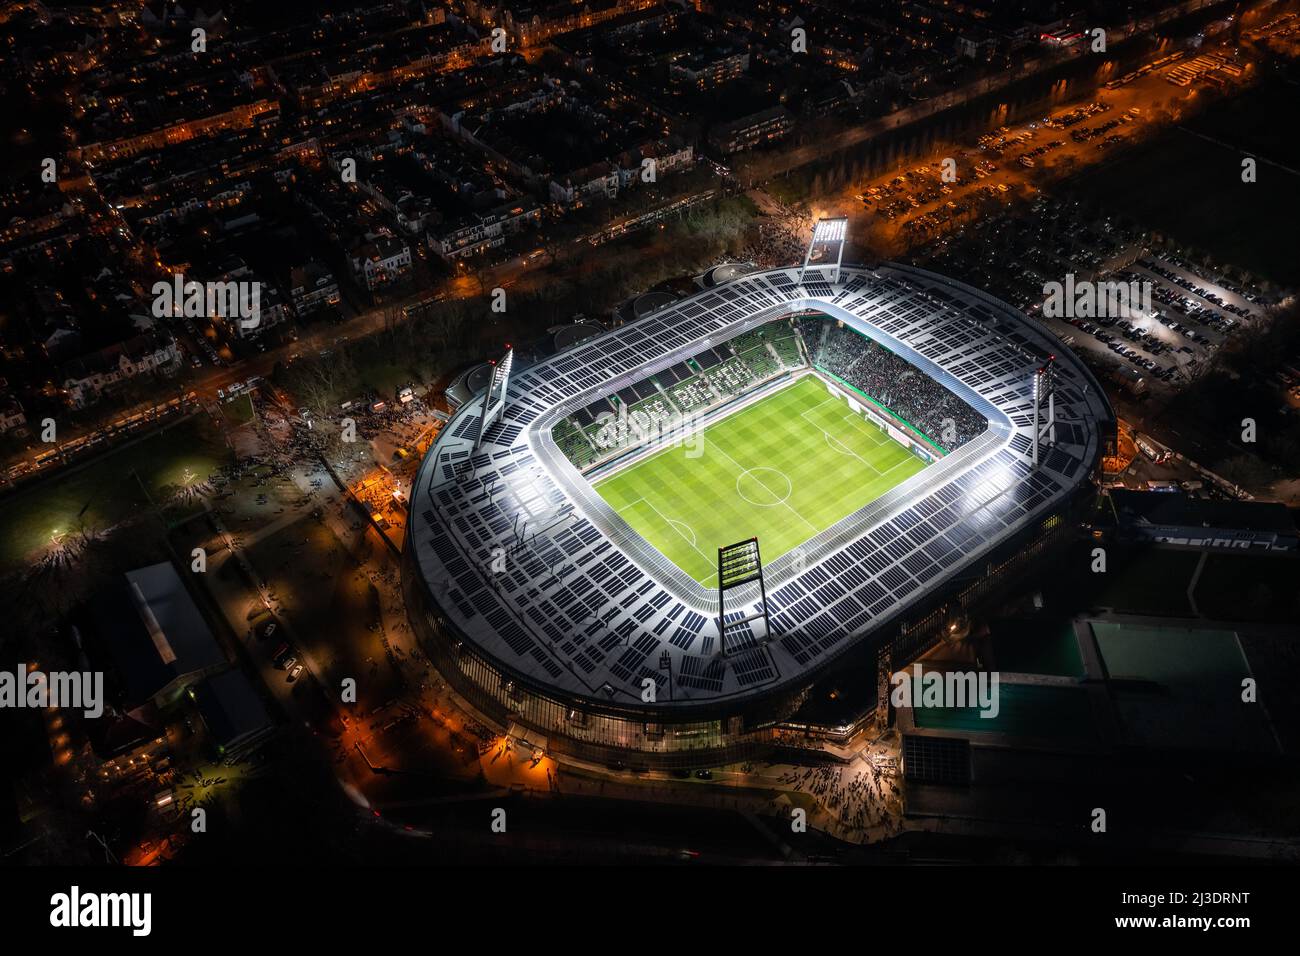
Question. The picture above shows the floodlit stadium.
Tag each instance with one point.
(840, 444)
(784, 469)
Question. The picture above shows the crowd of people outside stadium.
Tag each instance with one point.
(893, 382)
(860, 801)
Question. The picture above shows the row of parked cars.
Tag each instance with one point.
(1129, 354)
(202, 342)
(1193, 310)
(285, 656)
(1189, 333)
(235, 389)
(1206, 294)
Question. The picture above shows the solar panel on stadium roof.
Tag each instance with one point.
(707, 359)
(829, 610)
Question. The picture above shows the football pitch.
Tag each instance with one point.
(783, 470)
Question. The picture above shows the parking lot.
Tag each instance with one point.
(1195, 308)
(913, 203)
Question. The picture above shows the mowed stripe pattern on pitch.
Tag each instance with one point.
(784, 469)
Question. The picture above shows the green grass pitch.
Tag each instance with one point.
(783, 469)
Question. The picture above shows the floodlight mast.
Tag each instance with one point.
(1044, 419)
(827, 232)
(494, 399)
(738, 565)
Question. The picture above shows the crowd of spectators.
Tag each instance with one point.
(893, 382)
(710, 377)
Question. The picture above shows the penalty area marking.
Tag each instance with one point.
(674, 524)
(835, 444)
(874, 432)
(688, 534)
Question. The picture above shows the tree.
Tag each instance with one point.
(323, 384)
(1245, 470)
(553, 245)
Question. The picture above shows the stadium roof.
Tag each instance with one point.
(1184, 511)
(587, 607)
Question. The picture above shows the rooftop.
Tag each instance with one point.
(590, 606)
(153, 632)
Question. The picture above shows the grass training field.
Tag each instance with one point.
(783, 469)
(106, 490)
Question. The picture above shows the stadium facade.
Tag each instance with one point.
(547, 611)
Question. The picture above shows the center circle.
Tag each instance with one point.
(764, 487)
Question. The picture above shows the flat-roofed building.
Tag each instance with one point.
(150, 638)
(233, 713)
(1210, 524)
